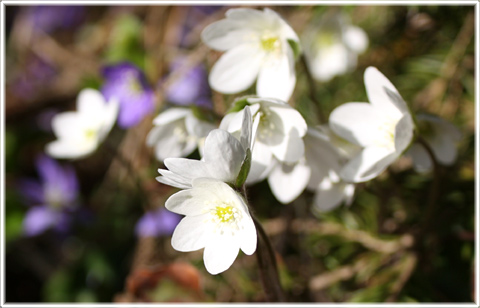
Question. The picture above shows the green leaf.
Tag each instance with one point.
(242, 175)
(239, 104)
(125, 43)
(297, 50)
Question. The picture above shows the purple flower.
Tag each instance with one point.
(53, 197)
(157, 222)
(192, 86)
(128, 84)
(51, 18)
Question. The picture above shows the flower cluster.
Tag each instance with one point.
(261, 137)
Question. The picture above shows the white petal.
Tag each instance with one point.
(171, 115)
(91, 104)
(285, 30)
(225, 154)
(287, 182)
(382, 94)
(225, 34)
(248, 242)
(329, 196)
(246, 134)
(215, 190)
(196, 127)
(262, 162)
(66, 149)
(403, 133)
(167, 144)
(444, 149)
(329, 62)
(277, 78)
(291, 118)
(109, 118)
(249, 18)
(220, 253)
(67, 125)
(186, 202)
(420, 158)
(359, 123)
(188, 168)
(369, 163)
(192, 233)
(356, 39)
(236, 70)
(172, 179)
(321, 157)
(291, 149)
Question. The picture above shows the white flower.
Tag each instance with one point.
(177, 133)
(327, 154)
(383, 128)
(332, 46)
(80, 132)
(317, 171)
(217, 219)
(223, 157)
(330, 194)
(441, 136)
(256, 44)
(278, 129)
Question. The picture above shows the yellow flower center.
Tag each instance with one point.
(226, 217)
(326, 38)
(90, 134)
(224, 214)
(270, 43)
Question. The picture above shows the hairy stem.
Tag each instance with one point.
(267, 263)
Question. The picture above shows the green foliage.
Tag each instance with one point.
(243, 174)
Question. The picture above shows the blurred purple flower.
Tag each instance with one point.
(128, 84)
(34, 77)
(192, 86)
(53, 197)
(157, 222)
(51, 18)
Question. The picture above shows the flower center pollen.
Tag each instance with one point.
(270, 43)
(224, 214)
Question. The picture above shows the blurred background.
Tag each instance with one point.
(102, 248)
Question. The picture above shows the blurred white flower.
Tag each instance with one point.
(442, 138)
(80, 132)
(223, 157)
(256, 44)
(217, 219)
(317, 171)
(332, 46)
(383, 128)
(177, 133)
(326, 154)
(278, 129)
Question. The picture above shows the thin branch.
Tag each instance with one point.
(276, 226)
